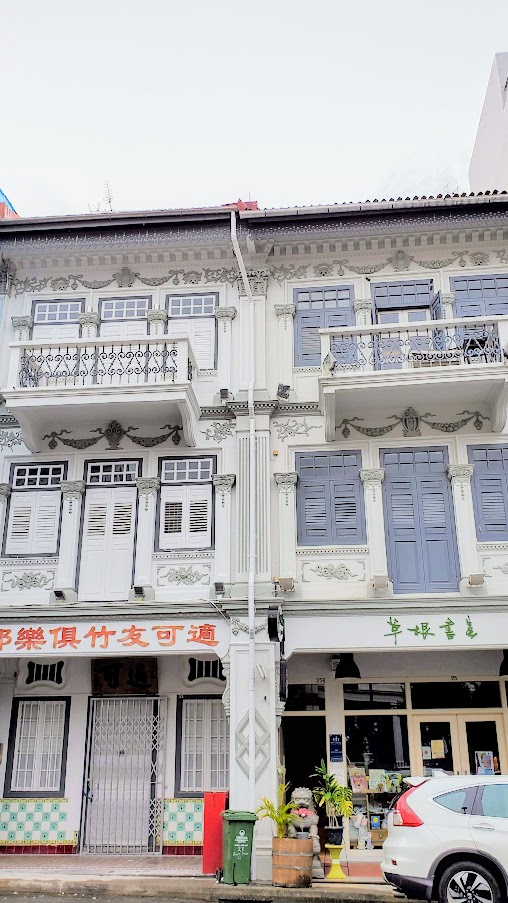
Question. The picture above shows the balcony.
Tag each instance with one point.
(443, 366)
(90, 383)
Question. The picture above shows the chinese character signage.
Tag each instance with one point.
(104, 637)
(461, 627)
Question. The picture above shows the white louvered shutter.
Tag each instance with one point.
(172, 518)
(199, 522)
(186, 517)
(201, 334)
(108, 544)
(123, 329)
(94, 543)
(33, 523)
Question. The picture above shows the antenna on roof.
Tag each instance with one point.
(108, 197)
(452, 186)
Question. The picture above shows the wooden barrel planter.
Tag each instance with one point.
(291, 862)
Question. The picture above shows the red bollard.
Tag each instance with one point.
(215, 803)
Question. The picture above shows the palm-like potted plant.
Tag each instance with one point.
(336, 800)
(291, 858)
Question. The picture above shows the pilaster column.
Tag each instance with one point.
(447, 302)
(372, 481)
(22, 326)
(148, 490)
(72, 495)
(460, 478)
(223, 485)
(286, 483)
(89, 322)
(363, 311)
(266, 690)
(5, 491)
(225, 317)
(285, 314)
(157, 319)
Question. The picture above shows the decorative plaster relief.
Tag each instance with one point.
(10, 438)
(262, 745)
(218, 431)
(186, 575)
(411, 421)
(72, 490)
(293, 427)
(5, 491)
(26, 580)
(238, 626)
(114, 433)
(341, 571)
(148, 486)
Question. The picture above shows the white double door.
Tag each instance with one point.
(107, 547)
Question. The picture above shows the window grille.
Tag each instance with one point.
(187, 470)
(38, 747)
(44, 672)
(112, 472)
(205, 746)
(37, 476)
(205, 669)
(57, 311)
(192, 305)
(124, 308)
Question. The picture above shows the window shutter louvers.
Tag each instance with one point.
(330, 509)
(172, 533)
(200, 331)
(490, 491)
(186, 517)
(33, 523)
(108, 543)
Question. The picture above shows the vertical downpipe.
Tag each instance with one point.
(252, 524)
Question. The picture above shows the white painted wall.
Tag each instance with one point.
(488, 169)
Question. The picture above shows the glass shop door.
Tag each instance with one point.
(459, 744)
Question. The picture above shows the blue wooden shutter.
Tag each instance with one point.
(308, 339)
(490, 491)
(330, 505)
(480, 296)
(405, 555)
(319, 308)
(402, 295)
(346, 512)
(439, 550)
(420, 529)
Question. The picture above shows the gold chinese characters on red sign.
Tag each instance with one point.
(81, 638)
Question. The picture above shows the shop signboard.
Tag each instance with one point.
(103, 637)
(336, 748)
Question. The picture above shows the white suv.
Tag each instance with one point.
(448, 840)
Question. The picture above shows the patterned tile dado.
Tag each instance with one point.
(183, 822)
(35, 822)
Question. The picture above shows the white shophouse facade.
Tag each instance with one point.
(381, 496)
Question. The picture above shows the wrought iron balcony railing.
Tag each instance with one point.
(414, 346)
(101, 362)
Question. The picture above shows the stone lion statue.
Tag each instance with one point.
(307, 820)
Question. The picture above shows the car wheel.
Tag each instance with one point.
(468, 882)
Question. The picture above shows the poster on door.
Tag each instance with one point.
(484, 761)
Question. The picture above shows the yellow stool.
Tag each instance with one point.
(335, 873)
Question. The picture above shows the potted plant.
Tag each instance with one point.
(336, 799)
(291, 858)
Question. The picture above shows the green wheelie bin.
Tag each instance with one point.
(238, 830)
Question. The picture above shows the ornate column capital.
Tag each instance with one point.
(362, 304)
(148, 485)
(5, 491)
(157, 315)
(372, 479)
(22, 325)
(258, 281)
(223, 482)
(89, 318)
(72, 489)
(460, 475)
(225, 313)
(285, 311)
(286, 482)
(447, 297)
(370, 476)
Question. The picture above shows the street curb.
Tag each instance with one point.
(177, 889)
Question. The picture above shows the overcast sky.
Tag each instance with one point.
(197, 102)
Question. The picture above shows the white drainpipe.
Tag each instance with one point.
(252, 522)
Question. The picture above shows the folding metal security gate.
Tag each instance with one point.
(124, 791)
